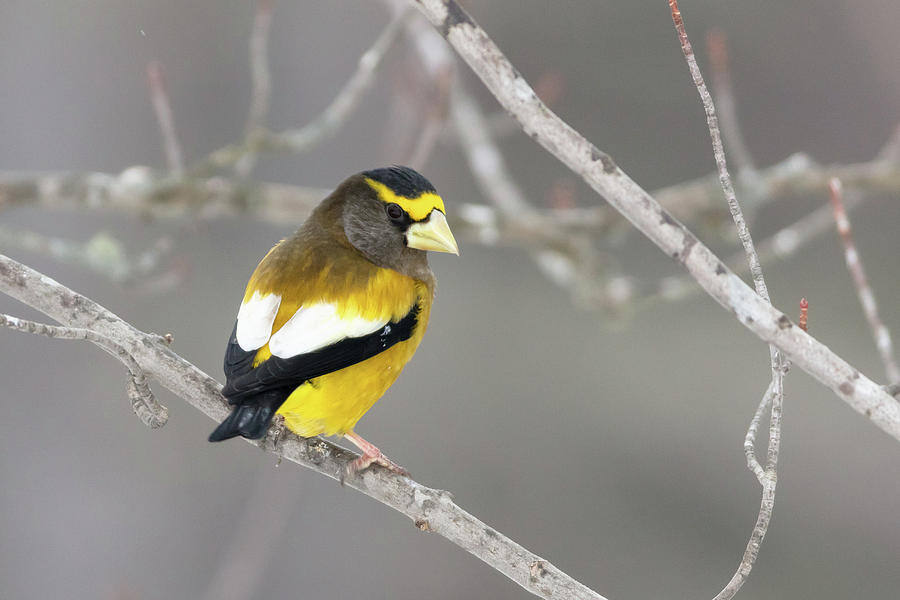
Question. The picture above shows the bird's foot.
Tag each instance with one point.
(274, 434)
(371, 455)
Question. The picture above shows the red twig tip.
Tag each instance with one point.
(679, 27)
(804, 314)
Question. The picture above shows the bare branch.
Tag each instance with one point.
(326, 124)
(565, 258)
(254, 537)
(147, 193)
(429, 509)
(717, 48)
(600, 172)
(756, 538)
(863, 290)
(435, 117)
(103, 253)
(890, 152)
(143, 402)
(712, 122)
(262, 83)
(750, 438)
(782, 244)
(159, 96)
(775, 393)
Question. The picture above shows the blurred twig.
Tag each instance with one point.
(566, 258)
(162, 107)
(863, 290)
(435, 117)
(103, 253)
(717, 48)
(262, 83)
(144, 192)
(254, 537)
(324, 125)
(782, 244)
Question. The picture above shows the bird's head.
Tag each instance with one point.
(393, 215)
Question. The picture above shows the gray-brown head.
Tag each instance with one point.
(391, 215)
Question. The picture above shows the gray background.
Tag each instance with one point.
(613, 451)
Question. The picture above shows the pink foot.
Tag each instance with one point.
(371, 455)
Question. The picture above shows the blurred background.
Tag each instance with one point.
(607, 441)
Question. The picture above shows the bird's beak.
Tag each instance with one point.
(433, 234)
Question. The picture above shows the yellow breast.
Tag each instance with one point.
(333, 403)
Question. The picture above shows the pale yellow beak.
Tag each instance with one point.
(433, 234)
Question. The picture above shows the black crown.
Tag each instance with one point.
(403, 181)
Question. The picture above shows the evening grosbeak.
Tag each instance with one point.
(332, 314)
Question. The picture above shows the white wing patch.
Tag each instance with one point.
(316, 326)
(254, 321)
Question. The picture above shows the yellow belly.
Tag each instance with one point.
(333, 403)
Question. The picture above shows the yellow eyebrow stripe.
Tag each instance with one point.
(418, 208)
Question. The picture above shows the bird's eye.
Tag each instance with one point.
(394, 211)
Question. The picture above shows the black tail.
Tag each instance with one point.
(249, 420)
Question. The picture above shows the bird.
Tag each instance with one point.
(332, 314)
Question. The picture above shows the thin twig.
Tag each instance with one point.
(435, 117)
(890, 152)
(780, 245)
(863, 290)
(429, 509)
(750, 438)
(144, 192)
(719, 152)
(262, 84)
(569, 259)
(326, 124)
(159, 96)
(717, 48)
(775, 393)
(254, 537)
(143, 401)
(104, 254)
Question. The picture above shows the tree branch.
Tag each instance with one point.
(325, 124)
(143, 402)
(165, 118)
(262, 84)
(429, 509)
(601, 173)
(775, 393)
(863, 290)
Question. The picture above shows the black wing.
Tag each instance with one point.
(257, 393)
(243, 381)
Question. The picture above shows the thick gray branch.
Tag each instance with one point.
(429, 509)
(600, 172)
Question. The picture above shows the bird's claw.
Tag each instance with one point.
(365, 461)
(274, 434)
